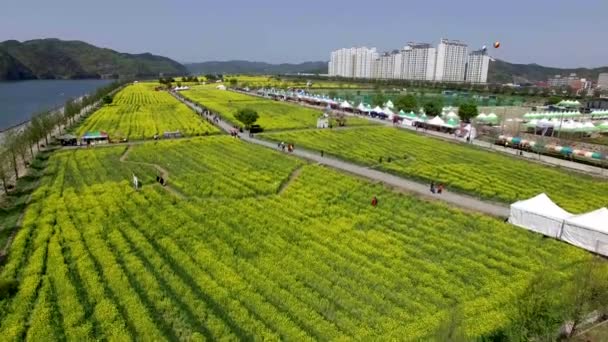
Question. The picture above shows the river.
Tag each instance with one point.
(20, 100)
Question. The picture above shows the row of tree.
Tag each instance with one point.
(17, 144)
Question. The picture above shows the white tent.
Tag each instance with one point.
(388, 112)
(436, 121)
(345, 105)
(361, 107)
(588, 231)
(389, 104)
(451, 115)
(539, 214)
(378, 110)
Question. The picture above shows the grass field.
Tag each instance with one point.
(140, 112)
(272, 114)
(276, 82)
(261, 247)
(461, 168)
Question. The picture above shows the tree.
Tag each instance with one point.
(467, 111)
(553, 100)
(107, 99)
(11, 141)
(538, 311)
(332, 94)
(587, 291)
(407, 103)
(433, 108)
(247, 116)
(4, 168)
(378, 99)
(233, 82)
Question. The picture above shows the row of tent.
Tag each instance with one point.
(565, 150)
(569, 125)
(549, 115)
(540, 214)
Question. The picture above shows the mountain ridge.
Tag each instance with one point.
(52, 58)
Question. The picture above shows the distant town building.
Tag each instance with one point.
(602, 80)
(451, 61)
(477, 67)
(559, 81)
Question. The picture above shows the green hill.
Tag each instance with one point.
(54, 58)
(505, 72)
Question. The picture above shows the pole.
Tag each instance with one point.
(561, 120)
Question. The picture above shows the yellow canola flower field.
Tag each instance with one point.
(234, 260)
(461, 167)
(140, 112)
(272, 114)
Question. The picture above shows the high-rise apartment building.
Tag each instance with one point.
(451, 61)
(352, 62)
(477, 67)
(384, 66)
(418, 62)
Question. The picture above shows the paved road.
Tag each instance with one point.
(459, 200)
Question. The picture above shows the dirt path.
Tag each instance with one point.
(163, 172)
(292, 176)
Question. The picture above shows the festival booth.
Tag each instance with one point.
(588, 231)
(68, 140)
(345, 106)
(95, 137)
(378, 112)
(539, 214)
(389, 113)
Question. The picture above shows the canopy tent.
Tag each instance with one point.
(410, 115)
(362, 107)
(481, 116)
(389, 104)
(588, 231)
(452, 122)
(388, 112)
(569, 103)
(345, 105)
(603, 127)
(378, 110)
(94, 135)
(539, 214)
(436, 121)
(451, 115)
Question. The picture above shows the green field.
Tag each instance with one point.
(273, 114)
(277, 82)
(461, 168)
(140, 112)
(247, 243)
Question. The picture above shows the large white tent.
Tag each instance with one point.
(436, 121)
(588, 231)
(539, 214)
(345, 105)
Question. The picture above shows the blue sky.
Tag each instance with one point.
(548, 32)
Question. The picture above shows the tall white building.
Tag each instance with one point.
(384, 66)
(352, 62)
(451, 61)
(602, 80)
(477, 67)
(418, 62)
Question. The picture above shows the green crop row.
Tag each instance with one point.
(272, 114)
(237, 260)
(140, 112)
(461, 167)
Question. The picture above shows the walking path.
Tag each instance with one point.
(459, 200)
(534, 157)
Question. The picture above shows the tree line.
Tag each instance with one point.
(17, 145)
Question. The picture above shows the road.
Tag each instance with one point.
(456, 199)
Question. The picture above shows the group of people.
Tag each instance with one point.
(161, 180)
(283, 146)
(438, 189)
(235, 133)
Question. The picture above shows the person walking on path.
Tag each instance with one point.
(440, 188)
(322, 153)
(432, 186)
(374, 201)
